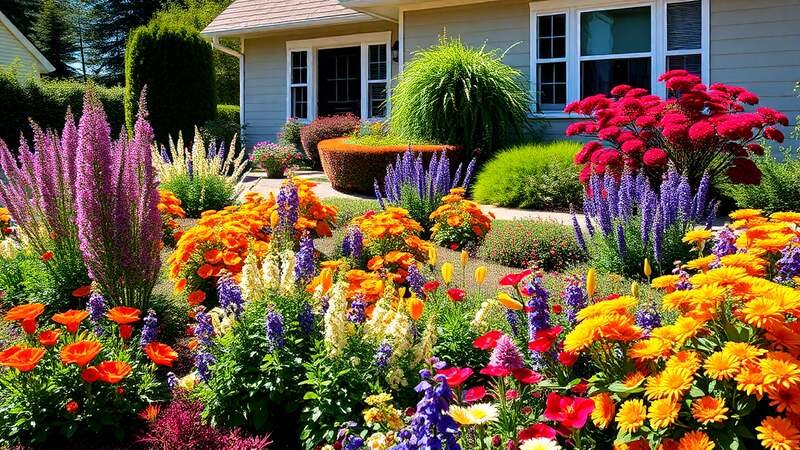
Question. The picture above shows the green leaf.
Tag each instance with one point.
(311, 396)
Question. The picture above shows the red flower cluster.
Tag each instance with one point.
(700, 129)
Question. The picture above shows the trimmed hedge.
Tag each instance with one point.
(326, 128)
(46, 103)
(354, 168)
(535, 176)
(177, 66)
(545, 244)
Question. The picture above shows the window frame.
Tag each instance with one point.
(291, 85)
(362, 40)
(658, 43)
(370, 81)
(535, 50)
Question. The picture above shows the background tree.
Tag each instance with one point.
(22, 13)
(54, 37)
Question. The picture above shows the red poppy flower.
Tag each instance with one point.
(25, 314)
(23, 359)
(570, 412)
(80, 353)
(90, 374)
(161, 354)
(474, 394)
(71, 407)
(543, 339)
(488, 341)
(580, 388)
(49, 338)
(514, 279)
(47, 256)
(537, 430)
(495, 371)
(82, 291)
(123, 315)
(430, 286)
(115, 371)
(125, 332)
(557, 308)
(568, 359)
(455, 376)
(456, 294)
(527, 376)
(71, 319)
(512, 394)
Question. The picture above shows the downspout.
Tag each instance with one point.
(240, 56)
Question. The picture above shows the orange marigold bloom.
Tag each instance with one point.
(631, 415)
(762, 311)
(751, 380)
(695, 440)
(721, 366)
(23, 359)
(633, 379)
(663, 413)
(113, 372)
(49, 338)
(150, 413)
(80, 353)
(71, 319)
(703, 263)
(671, 383)
(780, 369)
(778, 433)
(784, 399)
(604, 410)
(123, 315)
(649, 349)
(82, 291)
(180, 285)
(205, 271)
(160, 354)
(709, 409)
(196, 297)
(686, 359)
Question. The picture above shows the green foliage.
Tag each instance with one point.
(534, 176)
(176, 65)
(454, 94)
(54, 37)
(224, 128)
(24, 279)
(200, 192)
(521, 243)
(454, 331)
(290, 133)
(779, 186)
(419, 208)
(349, 208)
(46, 102)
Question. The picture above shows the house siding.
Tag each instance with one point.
(12, 50)
(265, 75)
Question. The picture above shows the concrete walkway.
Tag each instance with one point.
(258, 182)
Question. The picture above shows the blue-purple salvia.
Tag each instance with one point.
(288, 204)
(204, 332)
(724, 242)
(577, 229)
(789, 264)
(149, 329)
(648, 319)
(415, 280)
(622, 246)
(383, 355)
(274, 328)
(431, 427)
(357, 313)
(574, 298)
(304, 266)
(513, 321)
(683, 283)
(203, 360)
(172, 380)
(353, 243)
(97, 310)
(538, 306)
(230, 296)
(306, 319)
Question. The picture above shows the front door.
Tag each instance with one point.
(339, 81)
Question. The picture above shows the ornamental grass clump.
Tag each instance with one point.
(418, 188)
(119, 224)
(203, 179)
(39, 192)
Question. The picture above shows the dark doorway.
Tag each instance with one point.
(339, 81)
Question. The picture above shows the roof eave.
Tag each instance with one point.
(46, 65)
(356, 17)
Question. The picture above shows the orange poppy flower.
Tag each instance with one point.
(82, 291)
(205, 271)
(161, 354)
(23, 359)
(71, 319)
(113, 372)
(231, 259)
(180, 285)
(213, 256)
(80, 353)
(123, 315)
(125, 331)
(47, 256)
(90, 374)
(49, 338)
(196, 297)
(29, 311)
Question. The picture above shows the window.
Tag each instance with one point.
(377, 80)
(551, 69)
(581, 47)
(299, 84)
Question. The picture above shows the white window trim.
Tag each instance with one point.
(658, 39)
(364, 40)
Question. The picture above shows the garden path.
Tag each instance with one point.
(258, 182)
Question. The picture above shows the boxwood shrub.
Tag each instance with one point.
(326, 128)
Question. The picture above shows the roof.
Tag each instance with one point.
(254, 16)
(48, 67)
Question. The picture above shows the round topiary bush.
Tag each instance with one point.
(354, 168)
(322, 128)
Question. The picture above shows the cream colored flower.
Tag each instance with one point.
(540, 443)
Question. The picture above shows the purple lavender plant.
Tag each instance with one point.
(431, 427)
(150, 328)
(306, 319)
(353, 243)
(274, 327)
(789, 264)
(119, 225)
(288, 204)
(230, 296)
(574, 298)
(415, 280)
(304, 266)
(383, 355)
(97, 311)
(357, 312)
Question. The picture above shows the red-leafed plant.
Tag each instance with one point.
(698, 129)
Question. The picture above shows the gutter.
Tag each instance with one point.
(240, 56)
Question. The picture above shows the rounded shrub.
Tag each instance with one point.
(521, 243)
(322, 128)
(455, 94)
(534, 176)
(354, 167)
(177, 66)
(780, 183)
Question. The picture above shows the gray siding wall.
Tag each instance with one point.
(12, 51)
(265, 76)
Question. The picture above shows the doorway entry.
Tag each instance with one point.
(339, 81)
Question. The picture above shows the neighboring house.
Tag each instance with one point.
(307, 58)
(15, 48)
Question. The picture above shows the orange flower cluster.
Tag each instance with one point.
(735, 343)
(5, 222)
(392, 230)
(170, 208)
(459, 221)
(221, 240)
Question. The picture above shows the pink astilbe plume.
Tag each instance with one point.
(118, 221)
(506, 355)
(39, 192)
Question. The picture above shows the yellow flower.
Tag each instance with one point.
(591, 282)
(619, 305)
(635, 289)
(480, 274)
(697, 237)
(702, 263)
(647, 269)
(663, 413)
(649, 349)
(604, 410)
(745, 214)
(477, 414)
(780, 369)
(672, 383)
(686, 359)
(665, 282)
(778, 433)
(447, 272)
(432, 255)
(721, 366)
(464, 258)
(762, 311)
(709, 409)
(742, 351)
(378, 399)
(507, 301)
(540, 443)
(695, 440)
(631, 415)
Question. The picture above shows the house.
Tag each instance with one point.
(307, 58)
(15, 48)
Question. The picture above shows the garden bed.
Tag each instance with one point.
(354, 168)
